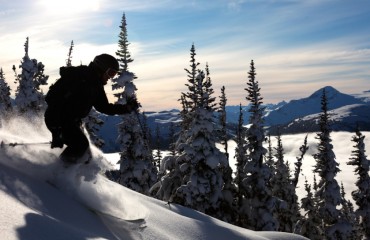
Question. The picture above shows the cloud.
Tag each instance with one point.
(297, 46)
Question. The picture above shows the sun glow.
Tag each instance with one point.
(69, 6)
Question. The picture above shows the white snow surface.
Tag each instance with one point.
(43, 200)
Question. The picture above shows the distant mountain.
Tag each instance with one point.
(233, 111)
(346, 118)
(310, 105)
(296, 116)
(163, 119)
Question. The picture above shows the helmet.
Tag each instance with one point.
(105, 62)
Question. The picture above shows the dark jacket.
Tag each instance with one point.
(75, 93)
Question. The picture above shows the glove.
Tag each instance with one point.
(57, 141)
(132, 104)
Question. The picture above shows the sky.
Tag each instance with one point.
(298, 46)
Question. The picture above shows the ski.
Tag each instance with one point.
(140, 221)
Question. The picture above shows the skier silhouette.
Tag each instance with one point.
(71, 99)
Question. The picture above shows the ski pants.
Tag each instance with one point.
(75, 139)
(70, 132)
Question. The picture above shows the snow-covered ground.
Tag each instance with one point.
(40, 199)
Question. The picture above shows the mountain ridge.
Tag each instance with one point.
(289, 117)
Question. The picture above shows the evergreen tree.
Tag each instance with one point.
(172, 139)
(298, 165)
(5, 100)
(222, 112)
(69, 59)
(361, 195)
(311, 225)
(240, 156)
(158, 152)
(201, 162)
(328, 192)
(228, 189)
(349, 225)
(146, 129)
(123, 52)
(93, 122)
(198, 167)
(137, 170)
(29, 98)
(260, 202)
(270, 157)
(173, 178)
(284, 189)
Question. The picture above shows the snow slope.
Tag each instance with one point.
(33, 208)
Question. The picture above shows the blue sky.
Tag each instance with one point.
(298, 46)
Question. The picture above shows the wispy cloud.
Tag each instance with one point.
(298, 46)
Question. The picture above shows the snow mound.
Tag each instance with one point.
(43, 200)
(82, 181)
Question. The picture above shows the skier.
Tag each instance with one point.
(72, 97)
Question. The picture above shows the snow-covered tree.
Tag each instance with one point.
(222, 117)
(157, 152)
(29, 98)
(298, 165)
(311, 225)
(328, 192)
(137, 170)
(349, 225)
(270, 161)
(173, 178)
(362, 194)
(5, 100)
(93, 122)
(240, 156)
(172, 139)
(199, 166)
(283, 188)
(201, 161)
(259, 200)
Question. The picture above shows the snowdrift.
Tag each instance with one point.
(41, 199)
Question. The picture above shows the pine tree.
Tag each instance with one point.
(29, 98)
(260, 202)
(270, 157)
(172, 139)
(328, 192)
(69, 59)
(311, 225)
(222, 117)
(170, 167)
(137, 170)
(240, 156)
(93, 122)
(361, 195)
(158, 152)
(298, 165)
(349, 226)
(5, 100)
(201, 162)
(229, 189)
(123, 53)
(173, 178)
(284, 189)
(198, 166)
